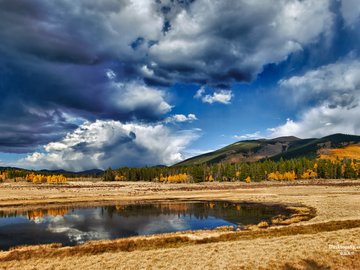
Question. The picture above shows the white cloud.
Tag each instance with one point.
(35, 157)
(110, 74)
(181, 118)
(335, 92)
(338, 84)
(200, 92)
(140, 98)
(249, 136)
(136, 98)
(210, 42)
(221, 96)
(321, 121)
(350, 10)
(111, 143)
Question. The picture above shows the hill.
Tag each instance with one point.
(274, 149)
(349, 151)
(88, 173)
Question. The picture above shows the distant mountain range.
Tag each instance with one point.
(93, 172)
(273, 149)
(87, 172)
(254, 150)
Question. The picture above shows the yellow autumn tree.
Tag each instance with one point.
(209, 178)
(39, 178)
(56, 178)
(162, 178)
(289, 176)
(120, 178)
(177, 178)
(309, 174)
(3, 176)
(274, 176)
(277, 176)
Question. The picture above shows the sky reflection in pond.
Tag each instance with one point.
(71, 226)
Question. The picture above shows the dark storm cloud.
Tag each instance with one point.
(36, 96)
(65, 61)
(33, 104)
(54, 57)
(43, 30)
(214, 42)
(220, 42)
(23, 127)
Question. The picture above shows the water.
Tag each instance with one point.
(71, 226)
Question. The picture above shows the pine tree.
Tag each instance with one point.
(109, 175)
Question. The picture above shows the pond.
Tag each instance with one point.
(76, 225)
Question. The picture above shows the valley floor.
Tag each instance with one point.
(330, 240)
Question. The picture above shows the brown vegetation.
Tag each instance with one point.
(300, 245)
(172, 240)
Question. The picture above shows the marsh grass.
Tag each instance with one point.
(172, 240)
(298, 246)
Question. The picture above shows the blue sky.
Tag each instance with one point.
(90, 84)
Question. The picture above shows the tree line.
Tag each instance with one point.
(18, 174)
(283, 170)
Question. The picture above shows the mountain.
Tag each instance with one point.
(274, 149)
(93, 172)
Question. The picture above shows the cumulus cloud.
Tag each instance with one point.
(338, 84)
(165, 41)
(66, 58)
(181, 118)
(334, 91)
(321, 121)
(249, 136)
(35, 104)
(111, 59)
(224, 41)
(220, 96)
(111, 143)
(139, 100)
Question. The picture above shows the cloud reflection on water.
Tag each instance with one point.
(71, 226)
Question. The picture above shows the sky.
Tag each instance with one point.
(96, 83)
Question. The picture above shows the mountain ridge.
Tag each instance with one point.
(59, 171)
(285, 147)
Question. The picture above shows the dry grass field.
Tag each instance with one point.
(325, 234)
